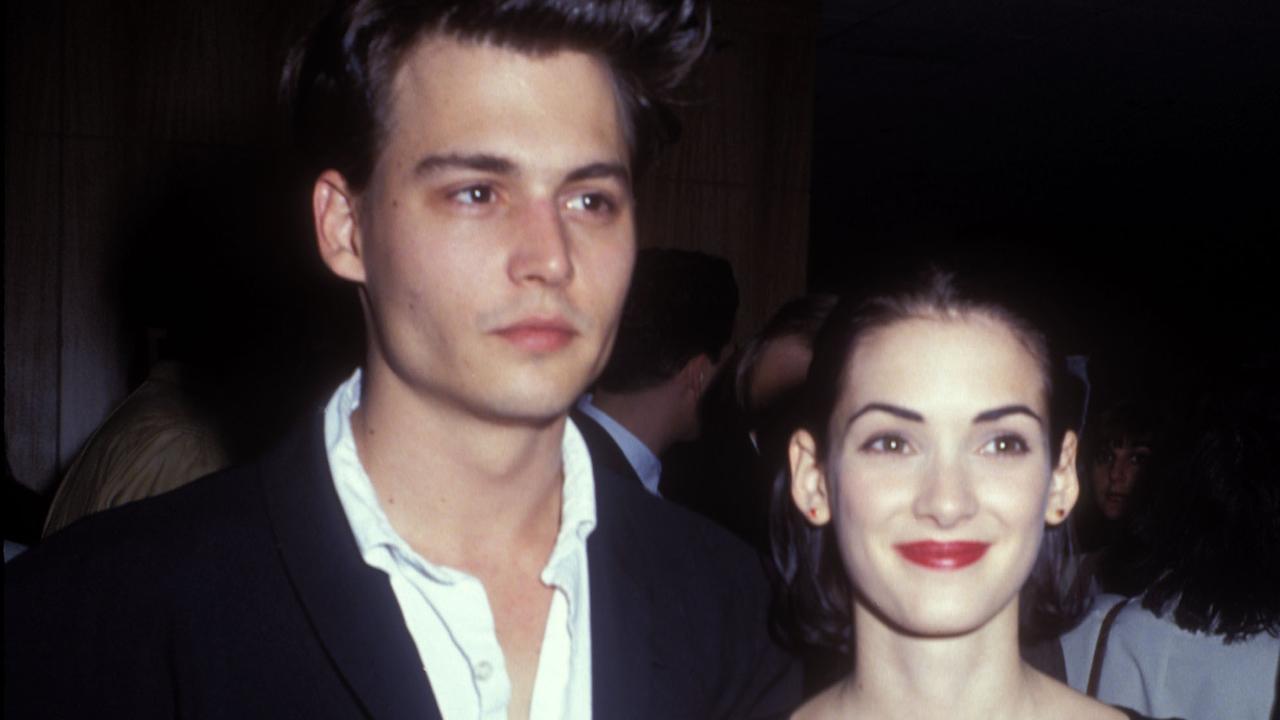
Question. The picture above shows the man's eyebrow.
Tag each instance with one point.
(481, 162)
(601, 170)
(997, 413)
(894, 410)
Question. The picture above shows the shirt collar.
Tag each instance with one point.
(643, 460)
(373, 530)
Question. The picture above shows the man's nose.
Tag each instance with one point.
(542, 251)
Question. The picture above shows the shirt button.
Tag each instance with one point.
(484, 670)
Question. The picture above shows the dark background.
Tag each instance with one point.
(1117, 157)
(1121, 157)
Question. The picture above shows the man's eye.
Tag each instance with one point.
(591, 202)
(1006, 445)
(474, 195)
(888, 444)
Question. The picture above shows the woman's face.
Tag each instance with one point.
(938, 476)
(1115, 472)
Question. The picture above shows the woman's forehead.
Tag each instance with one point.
(971, 361)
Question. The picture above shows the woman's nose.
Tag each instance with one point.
(946, 498)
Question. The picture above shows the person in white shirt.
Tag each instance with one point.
(438, 542)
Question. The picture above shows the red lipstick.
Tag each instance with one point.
(538, 335)
(943, 555)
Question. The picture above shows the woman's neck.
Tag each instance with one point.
(976, 675)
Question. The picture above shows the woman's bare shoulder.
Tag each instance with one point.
(1061, 702)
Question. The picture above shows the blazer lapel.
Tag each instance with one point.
(622, 631)
(351, 605)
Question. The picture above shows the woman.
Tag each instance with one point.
(1202, 638)
(1116, 449)
(928, 463)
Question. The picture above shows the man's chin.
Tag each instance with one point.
(531, 412)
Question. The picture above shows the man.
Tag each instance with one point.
(675, 327)
(436, 544)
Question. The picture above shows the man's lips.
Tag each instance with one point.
(538, 335)
(943, 555)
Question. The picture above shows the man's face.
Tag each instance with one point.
(496, 235)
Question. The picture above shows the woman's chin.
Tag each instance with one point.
(938, 617)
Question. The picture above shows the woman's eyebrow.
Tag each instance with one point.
(997, 413)
(893, 410)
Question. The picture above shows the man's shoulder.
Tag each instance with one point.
(213, 525)
(684, 550)
(703, 599)
(153, 537)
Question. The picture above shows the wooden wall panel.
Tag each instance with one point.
(31, 305)
(737, 183)
(106, 182)
(763, 232)
(32, 194)
(179, 71)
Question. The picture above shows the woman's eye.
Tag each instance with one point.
(474, 195)
(888, 444)
(1006, 445)
(591, 202)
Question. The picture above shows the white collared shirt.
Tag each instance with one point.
(447, 611)
(646, 464)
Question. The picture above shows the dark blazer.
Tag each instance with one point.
(244, 595)
(605, 451)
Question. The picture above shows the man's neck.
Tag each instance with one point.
(461, 490)
(644, 413)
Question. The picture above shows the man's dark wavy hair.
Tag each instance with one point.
(337, 80)
(813, 598)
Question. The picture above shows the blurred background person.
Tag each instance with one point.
(1201, 639)
(674, 334)
(1117, 446)
(726, 473)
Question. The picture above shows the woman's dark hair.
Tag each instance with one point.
(813, 599)
(337, 80)
(1209, 534)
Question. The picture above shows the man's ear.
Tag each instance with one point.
(697, 374)
(333, 207)
(808, 480)
(1064, 483)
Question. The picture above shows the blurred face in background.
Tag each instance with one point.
(1115, 471)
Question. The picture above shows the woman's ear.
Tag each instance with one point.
(808, 481)
(1064, 483)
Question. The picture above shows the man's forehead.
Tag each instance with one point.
(461, 96)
